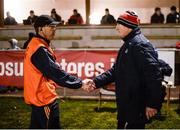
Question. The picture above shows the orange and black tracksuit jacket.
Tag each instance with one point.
(42, 74)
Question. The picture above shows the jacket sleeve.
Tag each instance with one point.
(46, 64)
(148, 65)
(105, 78)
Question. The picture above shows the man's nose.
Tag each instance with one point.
(54, 28)
(117, 27)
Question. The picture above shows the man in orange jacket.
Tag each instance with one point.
(42, 75)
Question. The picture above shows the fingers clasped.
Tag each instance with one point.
(88, 85)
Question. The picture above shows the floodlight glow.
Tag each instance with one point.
(15, 9)
(95, 18)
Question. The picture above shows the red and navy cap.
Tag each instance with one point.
(129, 19)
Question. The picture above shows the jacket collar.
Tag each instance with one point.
(132, 34)
(31, 35)
(46, 40)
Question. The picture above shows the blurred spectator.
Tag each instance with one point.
(13, 44)
(76, 18)
(31, 19)
(173, 16)
(9, 20)
(157, 17)
(55, 16)
(108, 18)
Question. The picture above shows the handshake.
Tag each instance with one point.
(88, 85)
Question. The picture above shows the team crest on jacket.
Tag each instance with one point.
(126, 51)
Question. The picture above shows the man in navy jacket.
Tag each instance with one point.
(136, 75)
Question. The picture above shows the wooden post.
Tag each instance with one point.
(179, 99)
(87, 11)
(168, 98)
(179, 8)
(1, 13)
(100, 96)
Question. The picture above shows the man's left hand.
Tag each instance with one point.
(150, 112)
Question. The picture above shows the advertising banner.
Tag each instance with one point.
(82, 63)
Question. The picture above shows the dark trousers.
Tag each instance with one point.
(45, 117)
(126, 125)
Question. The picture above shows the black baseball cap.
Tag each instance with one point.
(44, 20)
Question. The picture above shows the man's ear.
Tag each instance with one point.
(39, 29)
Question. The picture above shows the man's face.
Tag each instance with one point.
(53, 15)
(8, 14)
(122, 30)
(31, 14)
(158, 12)
(75, 12)
(173, 11)
(48, 32)
(106, 12)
